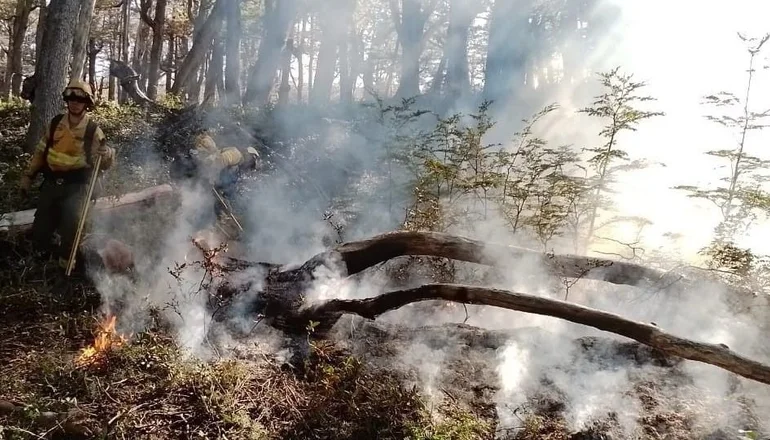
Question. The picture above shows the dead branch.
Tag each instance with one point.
(128, 79)
(360, 255)
(718, 355)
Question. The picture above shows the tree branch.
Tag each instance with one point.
(718, 355)
(360, 255)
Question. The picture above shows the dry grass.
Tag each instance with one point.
(148, 389)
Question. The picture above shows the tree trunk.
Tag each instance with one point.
(111, 83)
(300, 50)
(171, 63)
(158, 28)
(52, 66)
(93, 51)
(346, 47)
(410, 25)
(285, 88)
(42, 13)
(201, 45)
(439, 78)
(233, 53)
(310, 56)
(461, 16)
(275, 31)
(327, 60)
(13, 72)
(141, 49)
(508, 50)
(214, 72)
(124, 37)
(80, 41)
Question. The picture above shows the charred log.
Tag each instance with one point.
(129, 81)
(650, 335)
(282, 302)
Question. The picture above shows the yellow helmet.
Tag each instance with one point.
(78, 90)
(205, 143)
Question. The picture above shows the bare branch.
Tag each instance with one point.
(718, 355)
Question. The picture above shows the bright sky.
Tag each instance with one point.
(686, 49)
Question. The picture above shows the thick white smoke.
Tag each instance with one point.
(684, 50)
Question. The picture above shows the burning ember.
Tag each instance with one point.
(106, 339)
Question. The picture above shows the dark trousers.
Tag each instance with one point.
(58, 210)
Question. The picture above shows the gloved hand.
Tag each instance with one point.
(25, 184)
(105, 152)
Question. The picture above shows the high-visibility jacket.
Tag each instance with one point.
(67, 152)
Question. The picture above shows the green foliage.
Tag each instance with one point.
(739, 196)
(457, 179)
(618, 107)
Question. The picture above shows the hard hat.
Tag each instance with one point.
(205, 143)
(79, 90)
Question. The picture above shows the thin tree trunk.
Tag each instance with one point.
(141, 49)
(80, 41)
(124, 37)
(461, 17)
(213, 72)
(111, 81)
(310, 56)
(327, 61)
(93, 51)
(158, 28)
(171, 63)
(346, 45)
(201, 44)
(42, 14)
(285, 88)
(437, 85)
(13, 72)
(276, 29)
(410, 24)
(301, 59)
(233, 53)
(506, 65)
(52, 67)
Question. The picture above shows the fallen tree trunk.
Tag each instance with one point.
(360, 255)
(20, 221)
(717, 355)
(283, 304)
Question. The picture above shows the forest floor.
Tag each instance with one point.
(148, 387)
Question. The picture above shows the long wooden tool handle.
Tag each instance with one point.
(227, 208)
(83, 215)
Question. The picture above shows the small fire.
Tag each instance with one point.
(106, 339)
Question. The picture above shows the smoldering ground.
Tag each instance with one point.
(292, 226)
(328, 186)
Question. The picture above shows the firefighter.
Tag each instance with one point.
(221, 169)
(65, 156)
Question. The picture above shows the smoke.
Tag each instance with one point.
(327, 185)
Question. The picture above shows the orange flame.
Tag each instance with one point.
(106, 339)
